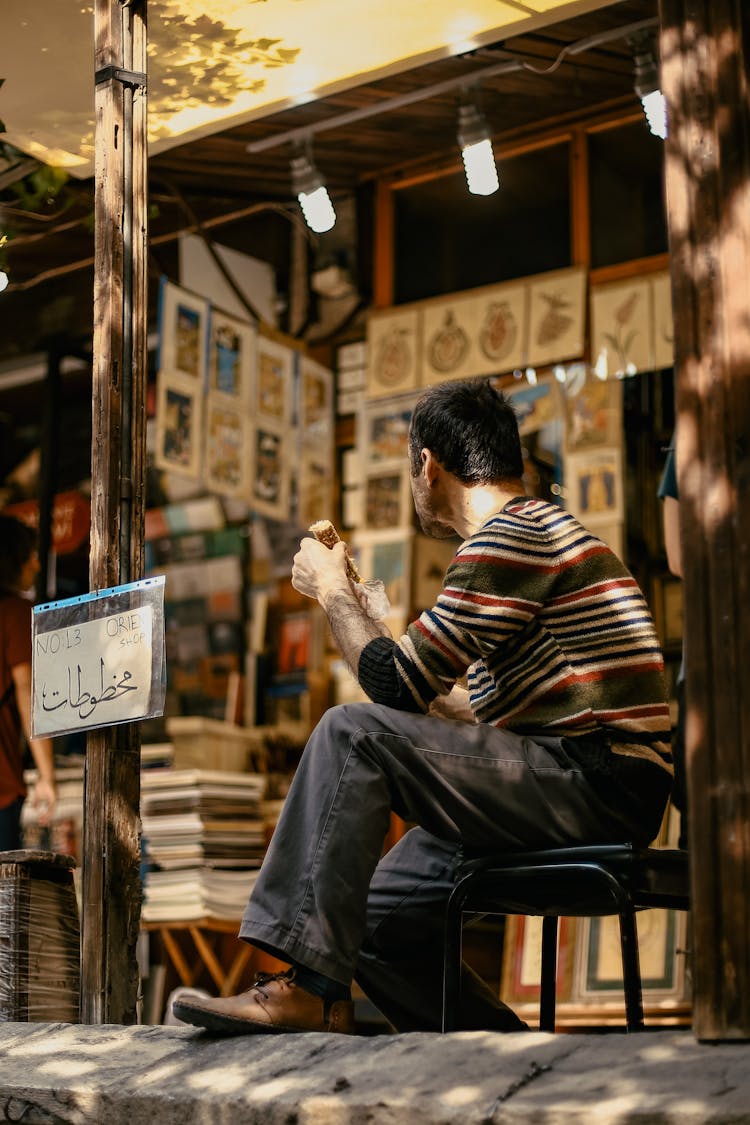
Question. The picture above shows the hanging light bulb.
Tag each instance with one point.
(647, 84)
(309, 187)
(476, 150)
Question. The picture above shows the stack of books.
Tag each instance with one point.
(204, 837)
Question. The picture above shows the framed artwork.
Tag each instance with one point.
(621, 327)
(661, 295)
(449, 332)
(388, 502)
(662, 939)
(271, 474)
(557, 316)
(179, 425)
(593, 413)
(387, 556)
(537, 405)
(231, 356)
(314, 489)
(593, 485)
(183, 332)
(315, 402)
(393, 352)
(385, 430)
(274, 382)
(227, 465)
(502, 329)
(431, 558)
(522, 962)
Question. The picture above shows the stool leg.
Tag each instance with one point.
(549, 974)
(631, 971)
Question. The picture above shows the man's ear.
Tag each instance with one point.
(430, 466)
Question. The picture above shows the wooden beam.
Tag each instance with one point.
(704, 74)
(111, 853)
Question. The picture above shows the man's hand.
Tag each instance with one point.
(319, 570)
(44, 800)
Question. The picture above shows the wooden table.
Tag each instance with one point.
(210, 946)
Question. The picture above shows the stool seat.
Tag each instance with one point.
(586, 881)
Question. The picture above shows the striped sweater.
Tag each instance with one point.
(553, 630)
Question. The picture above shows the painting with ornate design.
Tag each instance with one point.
(392, 349)
(557, 315)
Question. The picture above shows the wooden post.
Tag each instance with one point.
(704, 75)
(111, 887)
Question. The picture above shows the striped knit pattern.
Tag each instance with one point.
(554, 631)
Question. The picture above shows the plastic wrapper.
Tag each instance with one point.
(373, 597)
(39, 938)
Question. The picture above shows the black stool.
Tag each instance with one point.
(584, 882)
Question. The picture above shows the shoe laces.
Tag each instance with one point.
(262, 979)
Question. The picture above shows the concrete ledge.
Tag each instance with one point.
(52, 1074)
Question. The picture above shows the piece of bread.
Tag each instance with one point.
(326, 533)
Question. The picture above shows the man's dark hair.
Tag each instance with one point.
(472, 430)
(17, 544)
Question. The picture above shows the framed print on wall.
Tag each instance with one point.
(449, 334)
(315, 401)
(536, 405)
(387, 556)
(593, 413)
(385, 430)
(183, 332)
(179, 425)
(502, 329)
(557, 316)
(388, 502)
(231, 356)
(593, 485)
(621, 327)
(274, 382)
(227, 463)
(271, 471)
(393, 352)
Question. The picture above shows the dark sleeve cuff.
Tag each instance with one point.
(378, 675)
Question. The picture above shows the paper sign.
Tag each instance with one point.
(93, 674)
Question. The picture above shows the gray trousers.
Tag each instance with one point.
(326, 899)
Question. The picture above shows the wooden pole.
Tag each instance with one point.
(705, 46)
(111, 888)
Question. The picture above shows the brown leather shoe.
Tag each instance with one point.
(273, 1004)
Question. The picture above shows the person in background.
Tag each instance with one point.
(19, 566)
(669, 496)
(562, 738)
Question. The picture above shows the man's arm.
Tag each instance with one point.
(45, 790)
(320, 572)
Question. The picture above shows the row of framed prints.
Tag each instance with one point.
(531, 322)
(244, 413)
(589, 980)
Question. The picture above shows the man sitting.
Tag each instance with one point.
(561, 739)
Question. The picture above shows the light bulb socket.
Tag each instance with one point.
(305, 176)
(472, 127)
(645, 63)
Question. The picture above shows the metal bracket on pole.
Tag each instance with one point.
(134, 78)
